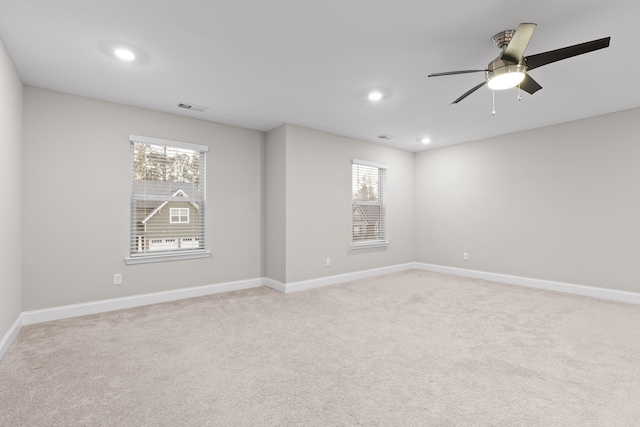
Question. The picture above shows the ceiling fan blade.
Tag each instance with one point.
(529, 85)
(469, 92)
(450, 73)
(516, 47)
(540, 59)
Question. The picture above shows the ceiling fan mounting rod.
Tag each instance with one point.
(502, 39)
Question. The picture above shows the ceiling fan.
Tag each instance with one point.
(510, 68)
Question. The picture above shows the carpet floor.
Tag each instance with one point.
(406, 349)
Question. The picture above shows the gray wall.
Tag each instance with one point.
(77, 186)
(318, 205)
(559, 203)
(275, 199)
(11, 177)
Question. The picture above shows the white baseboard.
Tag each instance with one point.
(341, 278)
(11, 334)
(94, 307)
(590, 291)
(274, 284)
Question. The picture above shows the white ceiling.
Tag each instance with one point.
(258, 64)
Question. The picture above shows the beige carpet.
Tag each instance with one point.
(406, 349)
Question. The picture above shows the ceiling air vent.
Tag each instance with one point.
(385, 137)
(193, 107)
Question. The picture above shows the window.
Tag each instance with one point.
(167, 200)
(368, 192)
(179, 215)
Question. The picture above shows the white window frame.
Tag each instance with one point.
(382, 195)
(160, 256)
(182, 213)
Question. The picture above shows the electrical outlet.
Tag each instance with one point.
(465, 256)
(117, 279)
(327, 262)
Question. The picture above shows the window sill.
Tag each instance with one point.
(144, 259)
(370, 244)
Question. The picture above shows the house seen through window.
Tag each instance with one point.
(368, 210)
(168, 198)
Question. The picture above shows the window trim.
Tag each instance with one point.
(370, 244)
(368, 163)
(373, 243)
(142, 258)
(168, 142)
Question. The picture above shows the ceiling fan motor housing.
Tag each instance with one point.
(504, 74)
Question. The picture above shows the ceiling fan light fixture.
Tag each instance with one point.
(505, 77)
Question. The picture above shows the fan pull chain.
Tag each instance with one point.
(493, 92)
(519, 96)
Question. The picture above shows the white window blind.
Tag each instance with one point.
(167, 199)
(368, 190)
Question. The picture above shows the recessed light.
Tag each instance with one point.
(124, 54)
(425, 140)
(375, 96)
